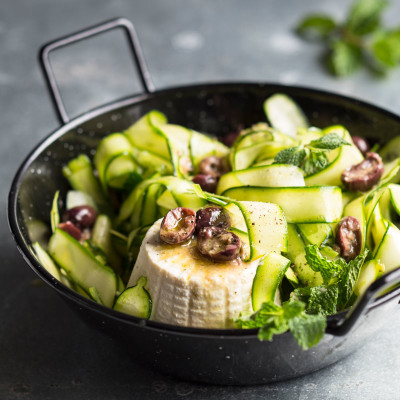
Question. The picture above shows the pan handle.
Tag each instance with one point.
(341, 327)
(94, 30)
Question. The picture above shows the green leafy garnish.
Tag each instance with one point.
(338, 275)
(272, 320)
(360, 39)
(330, 141)
(311, 157)
(291, 155)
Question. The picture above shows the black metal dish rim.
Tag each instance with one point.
(117, 104)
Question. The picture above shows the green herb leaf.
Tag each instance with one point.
(386, 48)
(308, 330)
(317, 26)
(321, 299)
(316, 161)
(291, 155)
(345, 58)
(364, 16)
(348, 279)
(329, 141)
(321, 264)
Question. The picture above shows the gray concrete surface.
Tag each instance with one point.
(45, 351)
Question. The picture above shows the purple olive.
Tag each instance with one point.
(178, 225)
(212, 216)
(213, 165)
(363, 176)
(361, 144)
(229, 139)
(207, 182)
(82, 217)
(218, 244)
(349, 238)
(71, 229)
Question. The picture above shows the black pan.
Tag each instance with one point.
(205, 355)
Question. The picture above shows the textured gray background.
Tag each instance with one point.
(45, 351)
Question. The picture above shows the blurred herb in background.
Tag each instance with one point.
(360, 39)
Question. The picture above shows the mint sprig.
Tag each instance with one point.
(311, 157)
(339, 279)
(272, 320)
(361, 39)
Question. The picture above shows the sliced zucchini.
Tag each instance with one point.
(269, 275)
(79, 173)
(388, 252)
(266, 227)
(312, 203)
(202, 146)
(345, 156)
(77, 198)
(297, 255)
(275, 175)
(115, 163)
(82, 266)
(46, 261)
(144, 135)
(391, 150)
(101, 238)
(370, 271)
(315, 233)
(135, 300)
(54, 212)
(284, 114)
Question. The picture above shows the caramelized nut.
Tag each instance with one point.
(363, 176)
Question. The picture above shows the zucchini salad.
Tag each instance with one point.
(276, 228)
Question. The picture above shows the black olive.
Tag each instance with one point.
(71, 229)
(213, 165)
(349, 238)
(207, 182)
(212, 216)
(178, 225)
(218, 244)
(363, 176)
(83, 217)
(361, 144)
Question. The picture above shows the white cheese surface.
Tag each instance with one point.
(189, 290)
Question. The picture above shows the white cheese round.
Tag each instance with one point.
(189, 290)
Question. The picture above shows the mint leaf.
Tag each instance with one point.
(364, 16)
(316, 161)
(316, 26)
(329, 141)
(345, 58)
(323, 300)
(386, 48)
(291, 155)
(320, 299)
(308, 330)
(348, 279)
(319, 263)
(272, 320)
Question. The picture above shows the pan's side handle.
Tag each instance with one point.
(116, 23)
(343, 326)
